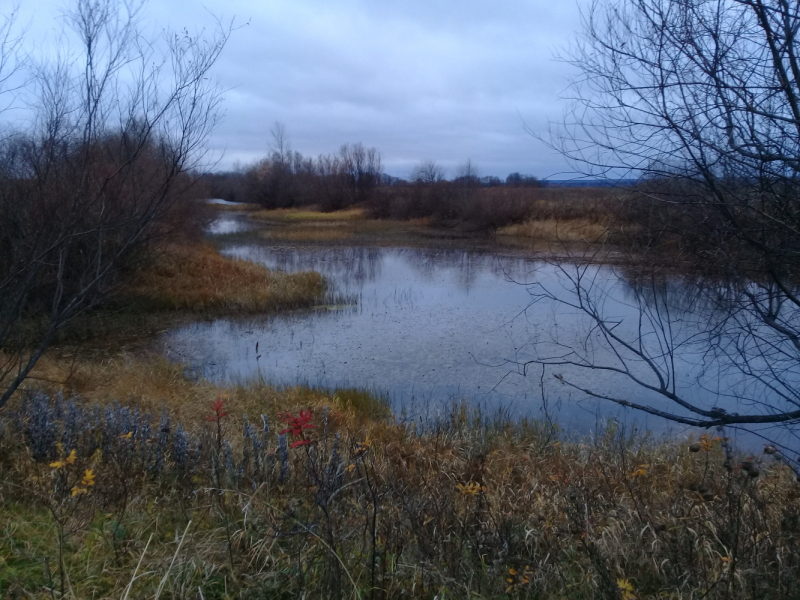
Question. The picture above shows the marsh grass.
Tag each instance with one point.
(179, 284)
(541, 217)
(218, 505)
(553, 230)
(308, 234)
(198, 279)
(310, 214)
(326, 229)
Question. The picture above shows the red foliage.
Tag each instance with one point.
(218, 406)
(297, 424)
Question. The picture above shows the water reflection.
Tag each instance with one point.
(695, 348)
(435, 324)
(353, 269)
(229, 223)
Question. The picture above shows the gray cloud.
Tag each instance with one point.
(418, 79)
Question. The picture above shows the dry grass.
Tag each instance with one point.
(297, 214)
(307, 234)
(552, 230)
(151, 382)
(181, 283)
(467, 507)
(350, 226)
(197, 278)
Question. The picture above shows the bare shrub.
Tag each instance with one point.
(104, 172)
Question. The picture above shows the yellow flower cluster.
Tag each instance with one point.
(60, 464)
(471, 489)
(517, 579)
(86, 483)
(87, 480)
(625, 589)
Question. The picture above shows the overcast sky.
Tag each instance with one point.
(419, 79)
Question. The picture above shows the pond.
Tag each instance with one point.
(426, 326)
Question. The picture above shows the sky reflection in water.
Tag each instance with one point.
(428, 326)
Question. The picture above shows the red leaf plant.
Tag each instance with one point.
(218, 406)
(296, 425)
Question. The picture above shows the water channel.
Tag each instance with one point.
(426, 326)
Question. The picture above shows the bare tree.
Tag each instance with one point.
(361, 168)
(118, 128)
(700, 99)
(428, 172)
(281, 149)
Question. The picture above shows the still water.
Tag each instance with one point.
(426, 326)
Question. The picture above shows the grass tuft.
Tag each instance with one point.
(199, 279)
(553, 230)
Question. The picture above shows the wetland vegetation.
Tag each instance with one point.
(128, 472)
(126, 476)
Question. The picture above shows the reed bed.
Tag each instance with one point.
(310, 495)
(197, 278)
(310, 214)
(553, 230)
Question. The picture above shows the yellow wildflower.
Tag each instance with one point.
(86, 482)
(517, 579)
(88, 477)
(362, 447)
(59, 464)
(626, 589)
(471, 489)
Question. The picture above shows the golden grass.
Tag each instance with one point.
(306, 234)
(197, 278)
(297, 214)
(349, 226)
(554, 230)
(152, 381)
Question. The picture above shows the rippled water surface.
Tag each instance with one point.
(229, 223)
(426, 326)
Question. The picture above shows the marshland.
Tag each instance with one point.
(347, 374)
(348, 454)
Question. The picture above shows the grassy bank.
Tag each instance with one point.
(196, 500)
(350, 226)
(197, 278)
(182, 283)
(537, 219)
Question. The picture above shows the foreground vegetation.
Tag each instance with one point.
(259, 492)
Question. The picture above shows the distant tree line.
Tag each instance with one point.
(353, 175)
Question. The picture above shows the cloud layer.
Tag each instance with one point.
(420, 79)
